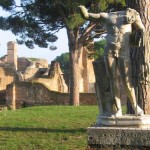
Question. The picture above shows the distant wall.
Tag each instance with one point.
(23, 94)
(7, 76)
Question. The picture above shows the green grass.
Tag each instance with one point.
(46, 128)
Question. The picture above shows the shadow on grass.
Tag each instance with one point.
(17, 129)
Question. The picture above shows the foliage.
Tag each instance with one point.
(36, 22)
(116, 5)
(64, 61)
(74, 21)
(7, 4)
(104, 4)
(99, 47)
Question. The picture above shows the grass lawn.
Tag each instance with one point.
(46, 127)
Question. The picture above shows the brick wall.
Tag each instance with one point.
(23, 63)
(7, 76)
(28, 93)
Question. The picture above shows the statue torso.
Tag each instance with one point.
(119, 29)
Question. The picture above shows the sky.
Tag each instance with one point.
(23, 51)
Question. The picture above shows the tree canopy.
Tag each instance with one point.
(99, 47)
(64, 61)
(37, 21)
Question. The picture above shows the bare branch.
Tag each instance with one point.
(90, 28)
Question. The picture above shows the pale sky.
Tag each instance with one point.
(23, 51)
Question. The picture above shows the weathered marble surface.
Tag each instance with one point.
(125, 121)
(117, 56)
(109, 136)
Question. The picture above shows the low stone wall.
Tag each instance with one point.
(23, 94)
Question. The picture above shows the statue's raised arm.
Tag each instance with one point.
(119, 26)
(92, 16)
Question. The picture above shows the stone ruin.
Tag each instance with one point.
(14, 70)
(86, 73)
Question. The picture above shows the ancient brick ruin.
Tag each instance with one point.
(86, 76)
(22, 80)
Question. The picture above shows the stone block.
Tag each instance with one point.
(99, 137)
(12, 45)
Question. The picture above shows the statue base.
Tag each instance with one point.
(125, 121)
(127, 132)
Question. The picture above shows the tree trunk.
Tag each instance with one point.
(140, 82)
(74, 51)
(85, 70)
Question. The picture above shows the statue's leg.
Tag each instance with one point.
(111, 69)
(126, 75)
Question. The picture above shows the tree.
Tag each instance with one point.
(64, 61)
(37, 21)
(99, 47)
(140, 57)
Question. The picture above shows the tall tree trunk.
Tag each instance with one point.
(85, 70)
(141, 85)
(74, 51)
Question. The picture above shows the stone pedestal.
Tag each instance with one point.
(125, 121)
(126, 132)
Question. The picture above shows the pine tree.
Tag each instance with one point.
(141, 57)
(37, 21)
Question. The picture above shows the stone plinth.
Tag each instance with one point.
(127, 131)
(100, 137)
(125, 121)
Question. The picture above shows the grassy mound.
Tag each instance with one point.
(46, 128)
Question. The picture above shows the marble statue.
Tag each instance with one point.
(119, 26)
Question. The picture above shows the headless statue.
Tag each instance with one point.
(117, 51)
